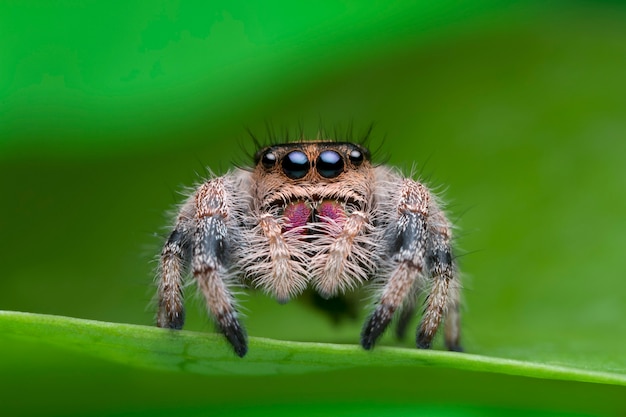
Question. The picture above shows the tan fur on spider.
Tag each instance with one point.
(314, 215)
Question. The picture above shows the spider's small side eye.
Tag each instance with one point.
(268, 160)
(329, 164)
(356, 157)
(296, 164)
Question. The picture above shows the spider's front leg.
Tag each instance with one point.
(209, 242)
(443, 298)
(421, 248)
(408, 242)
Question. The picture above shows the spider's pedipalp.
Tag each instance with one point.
(344, 263)
(274, 262)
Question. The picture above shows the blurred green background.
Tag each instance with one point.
(516, 111)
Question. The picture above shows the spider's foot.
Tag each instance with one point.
(424, 340)
(455, 347)
(235, 334)
(171, 319)
(375, 326)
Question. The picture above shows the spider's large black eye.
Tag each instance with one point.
(329, 164)
(268, 160)
(296, 164)
(356, 157)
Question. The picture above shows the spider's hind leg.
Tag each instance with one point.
(202, 240)
(171, 313)
(421, 257)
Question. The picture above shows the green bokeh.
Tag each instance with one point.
(517, 110)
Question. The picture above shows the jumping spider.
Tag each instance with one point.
(319, 215)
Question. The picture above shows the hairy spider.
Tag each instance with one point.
(319, 215)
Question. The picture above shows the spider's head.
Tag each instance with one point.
(311, 161)
(313, 172)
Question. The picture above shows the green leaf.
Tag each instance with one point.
(207, 354)
(107, 108)
(319, 377)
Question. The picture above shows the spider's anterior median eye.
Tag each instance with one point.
(268, 160)
(296, 164)
(329, 164)
(356, 157)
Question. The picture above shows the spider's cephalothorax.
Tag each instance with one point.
(314, 215)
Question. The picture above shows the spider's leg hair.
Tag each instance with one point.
(408, 250)
(408, 312)
(443, 298)
(210, 260)
(171, 312)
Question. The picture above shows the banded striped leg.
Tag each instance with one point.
(452, 325)
(211, 273)
(409, 256)
(210, 259)
(171, 313)
(407, 313)
(202, 235)
(443, 298)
